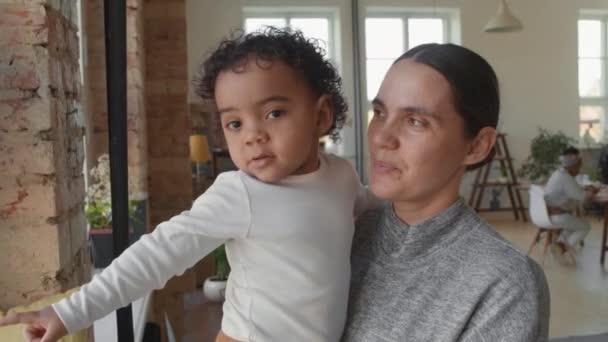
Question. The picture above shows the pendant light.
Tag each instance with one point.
(503, 20)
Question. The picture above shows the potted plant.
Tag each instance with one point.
(214, 287)
(544, 155)
(495, 201)
(98, 211)
(504, 177)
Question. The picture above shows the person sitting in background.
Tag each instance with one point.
(562, 195)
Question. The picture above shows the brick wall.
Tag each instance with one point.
(170, 186)
(169, 171)
(95, 68)
(42, 225)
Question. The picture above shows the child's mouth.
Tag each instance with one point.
(261, 161)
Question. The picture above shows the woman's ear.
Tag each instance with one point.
(325, 115)
(481, 146)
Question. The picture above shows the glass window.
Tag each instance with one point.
(317, 28)
(591, 113)
(375, 71)
(590, 77)
(424, 31)
(385, 40)
(312, 27)
(254, 24)
(590, 38)
(592, 66)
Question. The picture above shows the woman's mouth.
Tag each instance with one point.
(381, 167)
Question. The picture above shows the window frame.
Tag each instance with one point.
(288, 13)
(595, 101)
(403, 13)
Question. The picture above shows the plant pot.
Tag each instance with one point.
(138, 220)
(101, 246)
(214, 289)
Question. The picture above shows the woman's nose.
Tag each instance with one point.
(384, 135)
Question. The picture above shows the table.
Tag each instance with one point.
(602, 198)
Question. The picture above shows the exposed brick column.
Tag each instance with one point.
(97, 131)
(169, 170)
(136, 99)
(42, 224)
(170, 176)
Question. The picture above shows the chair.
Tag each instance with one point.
(540, 218)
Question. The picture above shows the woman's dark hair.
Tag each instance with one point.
(570, 150)
(473, 82)
(291, 47)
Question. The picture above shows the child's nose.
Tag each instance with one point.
(255, 135)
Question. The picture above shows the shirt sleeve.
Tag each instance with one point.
(573, 190)
(220, 214)
(513, 311)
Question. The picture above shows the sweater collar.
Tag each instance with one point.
(406, 241)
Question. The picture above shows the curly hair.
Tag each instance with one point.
(291, 47)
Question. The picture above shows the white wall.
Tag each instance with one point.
(537, 67)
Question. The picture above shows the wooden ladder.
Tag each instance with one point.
(513, 189)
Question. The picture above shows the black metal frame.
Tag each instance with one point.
(358, 116)
(115, 19)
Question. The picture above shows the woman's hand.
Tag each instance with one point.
(40, 326)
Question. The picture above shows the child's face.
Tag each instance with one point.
(271, 119)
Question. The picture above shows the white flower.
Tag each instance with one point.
(99, 189)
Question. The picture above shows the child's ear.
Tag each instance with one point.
(325, 115)
(481, 146)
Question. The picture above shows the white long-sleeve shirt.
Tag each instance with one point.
(288, 245)
(563, 191)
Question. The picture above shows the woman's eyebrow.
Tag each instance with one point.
(418, 110)
(377, 102)
(408, 109)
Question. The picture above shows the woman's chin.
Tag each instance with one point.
(384, 190)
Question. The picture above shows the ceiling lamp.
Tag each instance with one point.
(503, 21)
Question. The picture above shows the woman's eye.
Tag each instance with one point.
(233, 125)
(274, 114)
(417, 122)
(378, 113)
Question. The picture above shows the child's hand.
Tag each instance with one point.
(40, 326)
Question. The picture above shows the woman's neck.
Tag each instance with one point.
(421, 208)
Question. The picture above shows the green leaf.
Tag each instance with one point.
(545, 150)
(222, 267)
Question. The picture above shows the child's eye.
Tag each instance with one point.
(275, 114)
(233, 125)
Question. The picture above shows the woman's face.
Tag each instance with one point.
(416, 138)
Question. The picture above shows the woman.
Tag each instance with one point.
(427, 267)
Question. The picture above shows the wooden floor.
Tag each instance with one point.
(579, 294)
(202, 320)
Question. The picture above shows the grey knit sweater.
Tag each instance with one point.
(449, 278)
